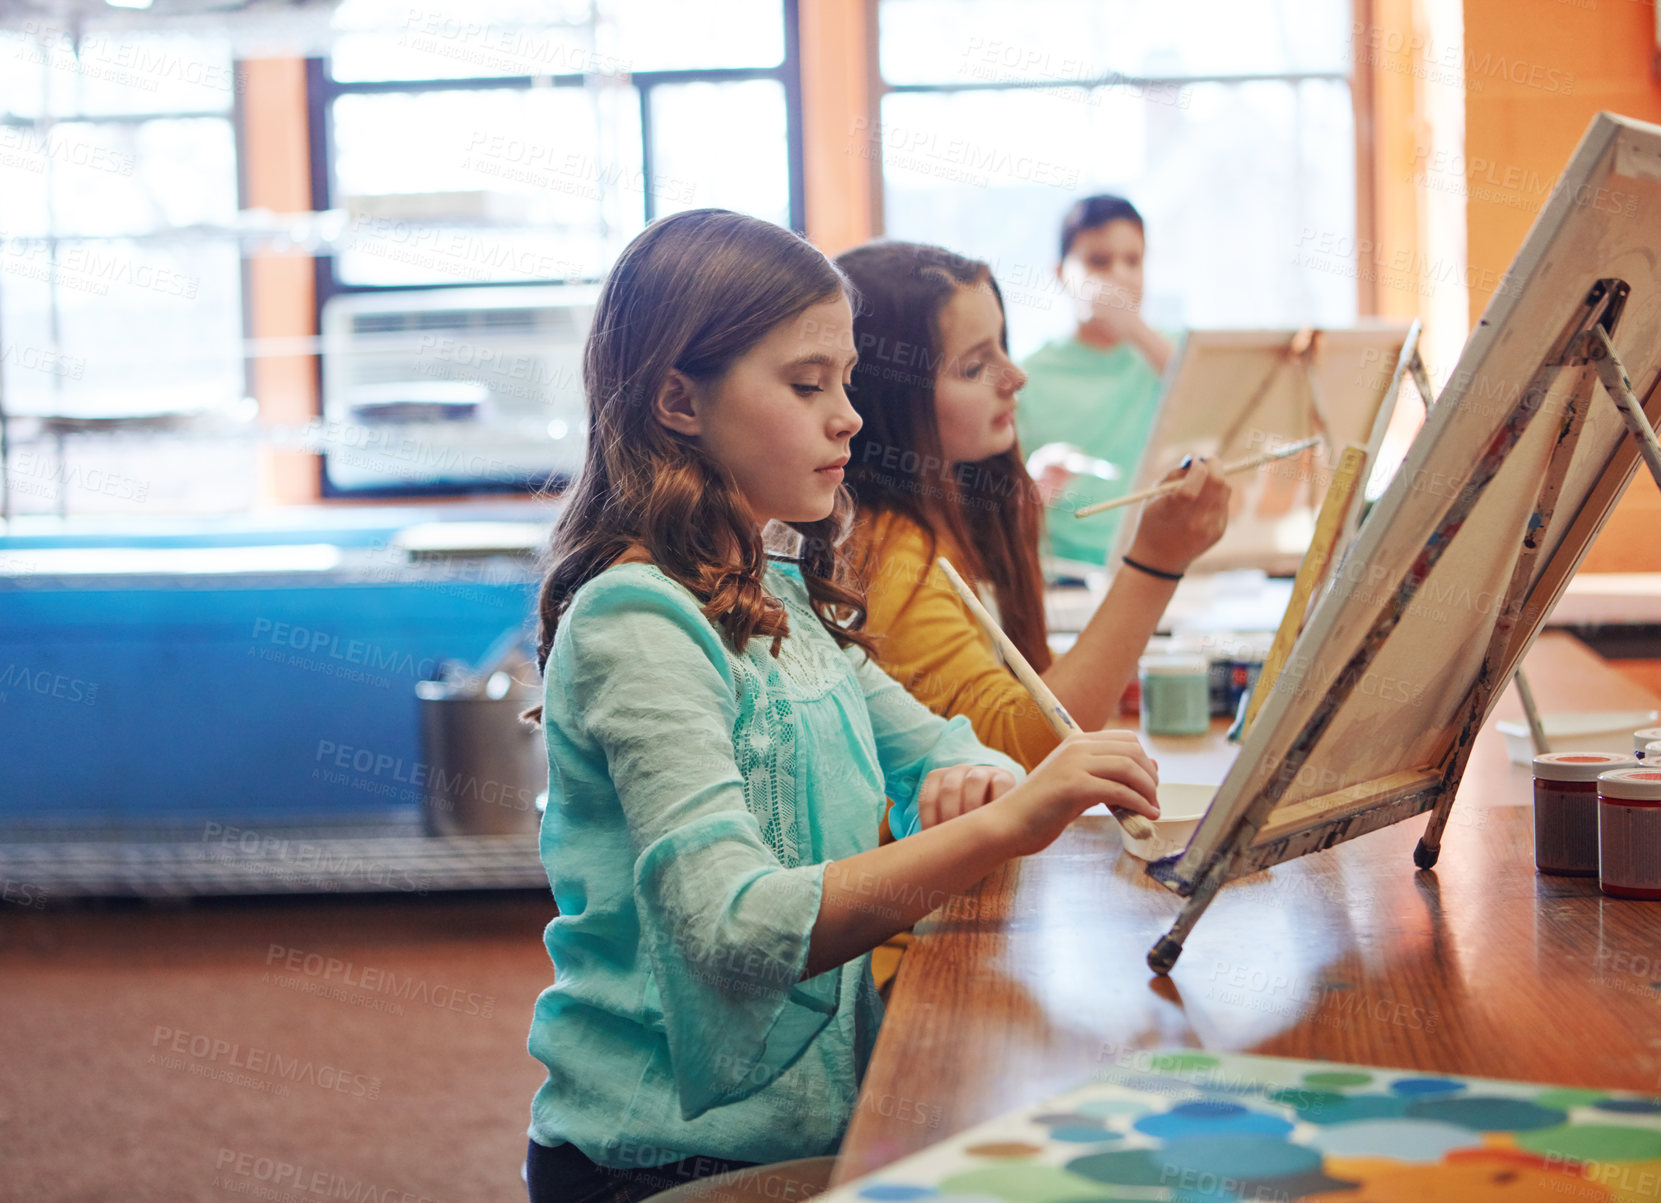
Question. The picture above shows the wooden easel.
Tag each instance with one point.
(1339, 515)
(1590, 345)
(1263, 833)
(1300, 351)
(1346, 481)
(1228, 391)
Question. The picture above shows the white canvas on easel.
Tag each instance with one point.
(1229, 394)
(1519, 464)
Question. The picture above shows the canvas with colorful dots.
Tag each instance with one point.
(1187, 1127)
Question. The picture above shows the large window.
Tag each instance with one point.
(120, 271)
(517, 143)
(497, 143)
(1231, 126)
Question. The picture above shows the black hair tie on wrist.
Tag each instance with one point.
(1141, 567)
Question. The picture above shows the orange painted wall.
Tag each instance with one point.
(1574, 58)
(841, 154)
(276, 165)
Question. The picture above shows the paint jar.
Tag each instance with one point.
(1239, 680)
(1566, 809)
(1629, 833)
(1643, 737)
(1176, 695)
(1233, 674)
(1651, 753)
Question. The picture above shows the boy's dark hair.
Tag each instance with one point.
(1095, 211)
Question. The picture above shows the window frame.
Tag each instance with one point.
(1356, 79)
(322, 90)
(233, 116)
(42, 125)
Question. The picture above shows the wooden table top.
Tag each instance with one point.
(1480, 967)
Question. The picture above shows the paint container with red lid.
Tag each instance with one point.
(1566, 809)
(1629, 833)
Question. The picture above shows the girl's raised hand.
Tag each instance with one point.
(1176, 529)
(948, 793)
(1109, 767)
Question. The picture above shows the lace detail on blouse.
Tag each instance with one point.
(809, 666)
(809, 662)
(764, 747)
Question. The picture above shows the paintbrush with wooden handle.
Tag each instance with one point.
(1228, 469)
(1135, 825)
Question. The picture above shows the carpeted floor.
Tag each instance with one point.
(289, 1049)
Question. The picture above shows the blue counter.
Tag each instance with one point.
(180, 680)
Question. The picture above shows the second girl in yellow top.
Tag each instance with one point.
(936, 472)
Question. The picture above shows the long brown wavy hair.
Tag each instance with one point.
(991, 509)
(692, 293)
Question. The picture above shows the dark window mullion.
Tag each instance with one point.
(320, 140)
(795, 155)
(239, 135)
(481, 83)
(47, 121)
(711, 75)
(320, 143)
(647, 157)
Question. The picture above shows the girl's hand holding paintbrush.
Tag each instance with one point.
(1177, 528)
(1110, 768)
(1125, 747)
(1173, 531)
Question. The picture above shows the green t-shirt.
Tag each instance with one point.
(1102, 402)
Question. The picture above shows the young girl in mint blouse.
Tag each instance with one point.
(720, 744)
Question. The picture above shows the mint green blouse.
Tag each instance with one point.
(695, 796)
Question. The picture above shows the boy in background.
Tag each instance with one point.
(1097, 389)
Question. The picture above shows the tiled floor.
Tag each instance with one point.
(286, 1048)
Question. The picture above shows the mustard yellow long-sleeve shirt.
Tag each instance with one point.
(929, 642)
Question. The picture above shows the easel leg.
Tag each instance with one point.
(1163, 955)
(1429, 848)
(1619, 385)
(1421, 380)
(1531, 712)
(1491, 677)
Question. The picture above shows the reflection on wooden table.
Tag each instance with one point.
(1036, 979)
